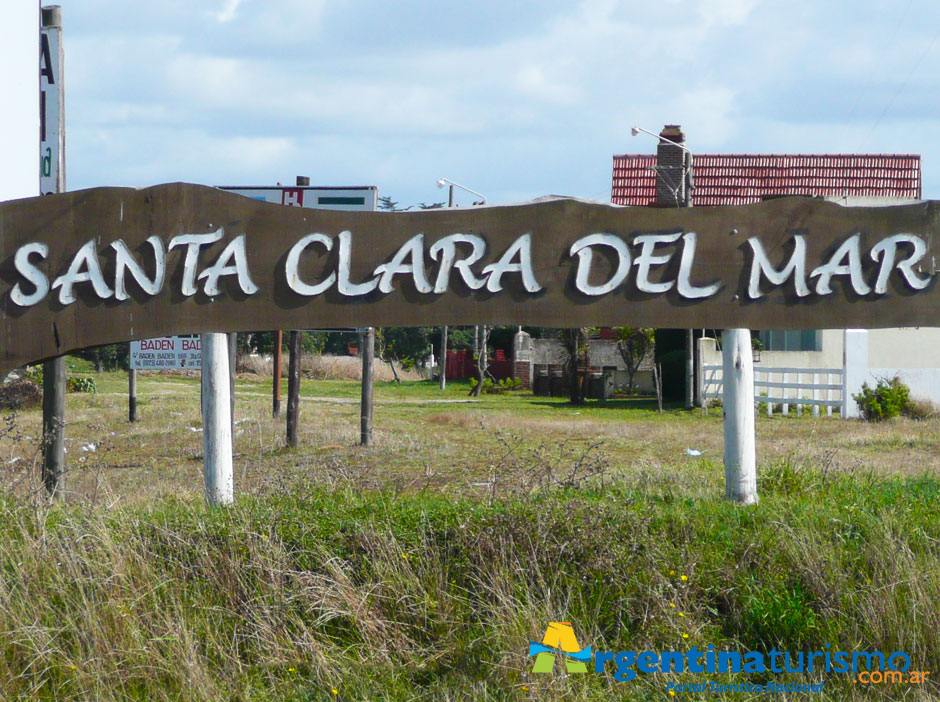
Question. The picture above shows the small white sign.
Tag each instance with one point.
(51, 142)
(167, 353)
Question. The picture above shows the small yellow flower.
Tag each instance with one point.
(684, 578)
(334, 691)
(405, 556)
(681, 614)
(525, 688)
(672, 572)
(74, 667)
(292, 670)
(264, 536)
(685, 636)
(673, 605)
(672, 693)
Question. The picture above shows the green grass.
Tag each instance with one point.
(399, 596)
(421, 568)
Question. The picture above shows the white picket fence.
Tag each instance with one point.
(797, 387)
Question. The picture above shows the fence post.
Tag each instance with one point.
(738, 409)
(276, 387)
(132, 395)
(216, 420)
(854, 368)
(293, 387)
(368, 380)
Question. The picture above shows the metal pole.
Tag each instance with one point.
(443, 357)
(278, 340)
(52, 180)
(689, 337)
(216, 420)
(368, 379)
(293, 387)
(132, 395)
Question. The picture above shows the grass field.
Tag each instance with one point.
(422, 567)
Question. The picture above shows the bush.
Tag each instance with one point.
(499, 387)
(81, 385)
(20, 394)
(890, 398)
(921, 409)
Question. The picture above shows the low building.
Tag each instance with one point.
(671, 177)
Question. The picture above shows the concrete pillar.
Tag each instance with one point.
(738, 407)
(855, 368)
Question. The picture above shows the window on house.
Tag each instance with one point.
(792, 340)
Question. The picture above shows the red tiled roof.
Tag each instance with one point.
(739, 179)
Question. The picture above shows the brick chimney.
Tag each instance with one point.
(672, 165)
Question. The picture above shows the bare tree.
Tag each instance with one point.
(483, 361)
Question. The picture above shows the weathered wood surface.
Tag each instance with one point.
(723, 256)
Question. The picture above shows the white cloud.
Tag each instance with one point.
(227, 13)
(511, 96)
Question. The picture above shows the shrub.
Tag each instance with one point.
(78, 384)
(499, 387)
(20, 394)
(921, 409)
(888, 399)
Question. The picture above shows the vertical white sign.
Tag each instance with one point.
(19, 116)
(51, 111)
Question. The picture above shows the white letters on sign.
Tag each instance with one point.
(458, 257)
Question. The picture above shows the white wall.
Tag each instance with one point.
(19, 86)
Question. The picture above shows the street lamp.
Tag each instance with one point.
(441, 182)
(447, 181)
(689, 340)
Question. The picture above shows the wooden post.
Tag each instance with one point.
(367, 344)
(132, 395)
(738, 409)
(293, 387)
(52, 180)
(278, 340)
(443, 357)
(216, 420)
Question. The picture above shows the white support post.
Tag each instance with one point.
(854, 368)
(740, 450)
(216, 420)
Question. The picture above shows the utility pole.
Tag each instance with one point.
(443, 363)
(52, 180)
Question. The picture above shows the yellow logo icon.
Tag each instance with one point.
(559, 637)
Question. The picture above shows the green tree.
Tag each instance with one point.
(634, 344)
(406, 345)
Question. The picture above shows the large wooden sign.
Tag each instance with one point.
(113, 264)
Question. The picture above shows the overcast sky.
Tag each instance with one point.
(513, 99)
